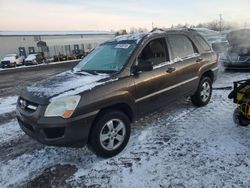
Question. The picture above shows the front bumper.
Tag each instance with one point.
(30, 63)
(6, 64)
(236, 65)
(241, 63)
(55, 131)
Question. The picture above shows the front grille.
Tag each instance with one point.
(244, 58)
(27, 105)
(6, 62)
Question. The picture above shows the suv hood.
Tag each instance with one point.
(65, 84)
(239, 37)
(9, 58)
(30, 58)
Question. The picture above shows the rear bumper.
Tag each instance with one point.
(56, 131)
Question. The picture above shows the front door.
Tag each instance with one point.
(152, 86)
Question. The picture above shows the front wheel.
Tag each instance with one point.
(204, 92)
(110, 134)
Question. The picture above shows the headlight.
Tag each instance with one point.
(63, 107)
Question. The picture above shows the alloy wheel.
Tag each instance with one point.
(205, 91)
(112, 134)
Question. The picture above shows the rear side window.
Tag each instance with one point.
(205, 46)
(181, 46)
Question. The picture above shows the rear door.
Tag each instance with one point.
(187, 62)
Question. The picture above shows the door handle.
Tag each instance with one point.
(199, 60)
(171, 69)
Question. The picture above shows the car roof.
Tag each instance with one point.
(175, 30)
(138, 37)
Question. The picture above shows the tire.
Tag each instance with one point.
(204, 92)
(106, 130)
(15, 64)
(239, 119)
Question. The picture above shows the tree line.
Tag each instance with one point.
(215, 25)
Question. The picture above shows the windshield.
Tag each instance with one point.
(109, 57)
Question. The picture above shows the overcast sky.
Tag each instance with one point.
(116, 14)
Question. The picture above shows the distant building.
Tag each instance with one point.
(24, 43)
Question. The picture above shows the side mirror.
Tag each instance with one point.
(144, 66)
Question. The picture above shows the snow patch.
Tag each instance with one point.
(175, 60)
(73, 85)
(10, 131)
(8, 104)
(135, 37)
(31, 57)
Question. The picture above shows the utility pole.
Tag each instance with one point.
(220, 22)
(153, 25)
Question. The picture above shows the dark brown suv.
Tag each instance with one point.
(119, 81)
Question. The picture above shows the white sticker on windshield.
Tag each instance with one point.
(123, 46)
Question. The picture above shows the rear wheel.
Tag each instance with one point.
(204, 92)
(110, 134)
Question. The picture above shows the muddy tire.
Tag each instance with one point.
(110, 134)
(204, 92)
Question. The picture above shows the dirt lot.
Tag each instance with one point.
(179, 146)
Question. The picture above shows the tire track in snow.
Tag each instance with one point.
(7, 104)
(14, 142)
(7, 109)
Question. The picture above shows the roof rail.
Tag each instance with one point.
(156, 29)
(173, 29)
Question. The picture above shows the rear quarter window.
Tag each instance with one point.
(204, 45)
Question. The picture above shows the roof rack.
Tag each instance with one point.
(172, 29)
(156, 29)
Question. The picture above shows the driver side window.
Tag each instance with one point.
(155, 52)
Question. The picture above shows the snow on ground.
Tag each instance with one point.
(7, 104)
(10, 131)
(180, 146)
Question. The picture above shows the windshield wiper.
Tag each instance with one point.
(81, 72)
(105, 71)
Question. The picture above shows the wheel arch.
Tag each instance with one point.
(123, 107)
(209, 74)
